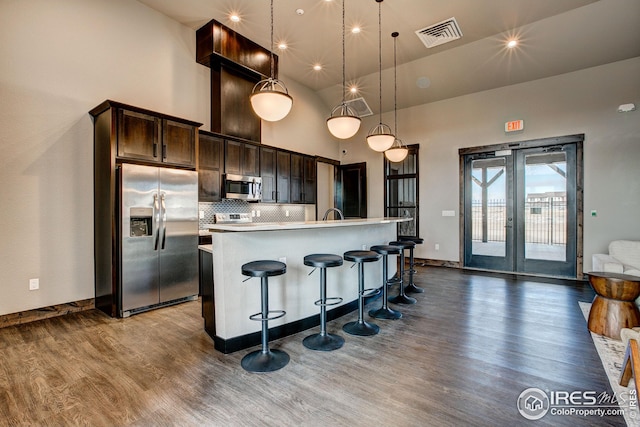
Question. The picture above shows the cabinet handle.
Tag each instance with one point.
(164, 151)
(155, 149)
(274, 195)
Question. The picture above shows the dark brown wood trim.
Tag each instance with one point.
(436, 263)
(45, 312)
(541, 142)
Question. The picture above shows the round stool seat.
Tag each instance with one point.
(386, 249)
(265, 268)
(405, 244)
(361, 256)
(416, 240)
(323, 260)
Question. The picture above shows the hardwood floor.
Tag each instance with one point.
(460, 356)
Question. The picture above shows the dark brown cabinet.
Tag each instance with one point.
(153, 138)
(303, 179)
(242, 158)
(275, 172)
(210, 167)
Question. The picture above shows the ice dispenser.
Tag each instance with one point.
(141, 222)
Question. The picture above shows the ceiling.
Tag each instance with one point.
(555, 37)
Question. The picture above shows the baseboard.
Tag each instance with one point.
(45, 312)
(424, 262)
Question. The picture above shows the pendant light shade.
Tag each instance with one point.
(380, 137)
(270, 98)
(398, 152)
(343, 123)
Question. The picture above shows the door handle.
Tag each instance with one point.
(156, 211)
(164, 220)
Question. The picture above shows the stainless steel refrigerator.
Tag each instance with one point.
(158, 237)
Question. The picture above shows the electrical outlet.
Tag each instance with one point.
(437, 246)
(34, 284)
(364, 247)
(286, 213)
(201, 214)
(253, 214)
(258, 213)
(283, 259)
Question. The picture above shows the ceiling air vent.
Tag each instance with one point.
(440, 33)
(360, 107)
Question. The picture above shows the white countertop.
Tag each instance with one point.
(271, 226)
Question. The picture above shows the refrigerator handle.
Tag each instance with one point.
(156, 211)
(164, 220)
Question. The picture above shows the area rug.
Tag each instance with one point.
(611, 354)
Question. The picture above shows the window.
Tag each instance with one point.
(401, 191)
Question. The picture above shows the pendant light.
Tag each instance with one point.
(380, 137)
(343, 122)
(269, 98)
(398, 151)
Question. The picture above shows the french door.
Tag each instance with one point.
(520, 208)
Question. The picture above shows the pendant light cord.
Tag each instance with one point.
(271, 45)
(344, 89)
(395, 85)
(380, 56)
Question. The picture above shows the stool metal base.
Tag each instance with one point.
(363, 328)
(402, 299)
(326, 342)
(260, 361)
(385, 313)
(413, 289)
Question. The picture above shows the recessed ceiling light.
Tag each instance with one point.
(353, 89)
(356, 30)
(512, 43)
(234, 17)
(282, 46)
(317, 67)
(300, 12)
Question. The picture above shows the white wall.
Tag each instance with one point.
(581, 102)
(59, 60)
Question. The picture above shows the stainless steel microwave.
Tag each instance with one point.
(242, 187)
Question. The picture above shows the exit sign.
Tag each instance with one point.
(514, 125)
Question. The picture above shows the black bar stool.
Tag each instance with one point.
(360, 327)
(411, 287)
(402, 298)
(385, 312)
(265, 360)
(323, 341)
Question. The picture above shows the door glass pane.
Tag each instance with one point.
(488, 207)
(401, 202)
(545, 201)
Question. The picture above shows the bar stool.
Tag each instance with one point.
(360, 327)
(411, 287)
(323, 341)
(402, 298)
(265, 360)
(385, 312)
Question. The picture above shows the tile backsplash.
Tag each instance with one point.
(261, 212)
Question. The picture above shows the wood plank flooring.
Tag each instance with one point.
(459, 357)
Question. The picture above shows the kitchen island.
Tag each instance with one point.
(228, 301)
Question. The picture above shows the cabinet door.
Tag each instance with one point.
(210, 162)
(268, 173)
(233, 157)
(138, 135)
(283, 173)
(296, 183)
(251, 160)
(179, 143)
(310, 180)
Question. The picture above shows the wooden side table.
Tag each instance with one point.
(614, 306)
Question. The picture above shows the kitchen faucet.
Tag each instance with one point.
(338, 211)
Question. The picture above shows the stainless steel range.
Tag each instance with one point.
(232, 218)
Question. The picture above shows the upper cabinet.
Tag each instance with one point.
(242, 158)
(210, 167)
(150, 137)
(303, 179)
(275, 173)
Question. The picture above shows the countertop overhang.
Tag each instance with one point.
(274, 226)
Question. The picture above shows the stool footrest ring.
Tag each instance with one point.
(259, 316)
(328, 301)
(372, 292)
